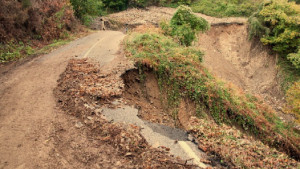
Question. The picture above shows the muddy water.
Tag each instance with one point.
(158, 135)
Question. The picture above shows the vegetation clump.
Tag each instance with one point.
(29, 24)
(85, 9)
(277, 23)
(184, 26)
(223, 8)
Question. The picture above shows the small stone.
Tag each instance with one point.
(78, 125)
(118, 163)
(90, 118)
(128, 154)
(190, 137)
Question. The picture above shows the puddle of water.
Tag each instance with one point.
(158, 135)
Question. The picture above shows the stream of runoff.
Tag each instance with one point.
(158, 135)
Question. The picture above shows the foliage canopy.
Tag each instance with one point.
(277, 23)
(184, 25)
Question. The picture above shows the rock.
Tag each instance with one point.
(78, 125)
(191, 138)
(128, 154)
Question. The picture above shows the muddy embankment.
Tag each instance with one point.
(229, 54)
(232, 57)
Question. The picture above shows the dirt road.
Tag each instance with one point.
(28, 113)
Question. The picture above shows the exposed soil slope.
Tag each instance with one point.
(231, 56)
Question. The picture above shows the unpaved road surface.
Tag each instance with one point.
(28, 112)
(51, 118)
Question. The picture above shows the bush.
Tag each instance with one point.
(277, 23)
(295, 58)
(12, 51)
(27, 20)
(185, 25)
(84, 9)
(222, 8)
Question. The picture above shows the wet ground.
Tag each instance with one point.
(159, 136)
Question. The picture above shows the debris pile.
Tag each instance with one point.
(81, 93)
(236, 147)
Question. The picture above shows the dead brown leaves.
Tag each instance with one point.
(81, 91)
(238, 148)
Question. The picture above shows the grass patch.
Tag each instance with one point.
(224, 8)
(13, 51)
(174, 63)
(53, 45)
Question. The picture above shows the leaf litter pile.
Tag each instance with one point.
(236, 147)
(82, 91)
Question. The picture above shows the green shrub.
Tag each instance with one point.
(294, 58)
(277, 23)
(297, 1)
(13, 51)
(85, 8)
(257, 27)
(222, 8)
(117, 5)
(26, 3)
(185, 25)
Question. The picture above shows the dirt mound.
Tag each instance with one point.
(122, 145)
(231, 56)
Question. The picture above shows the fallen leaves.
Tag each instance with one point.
(81, 91)
(238, 148)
